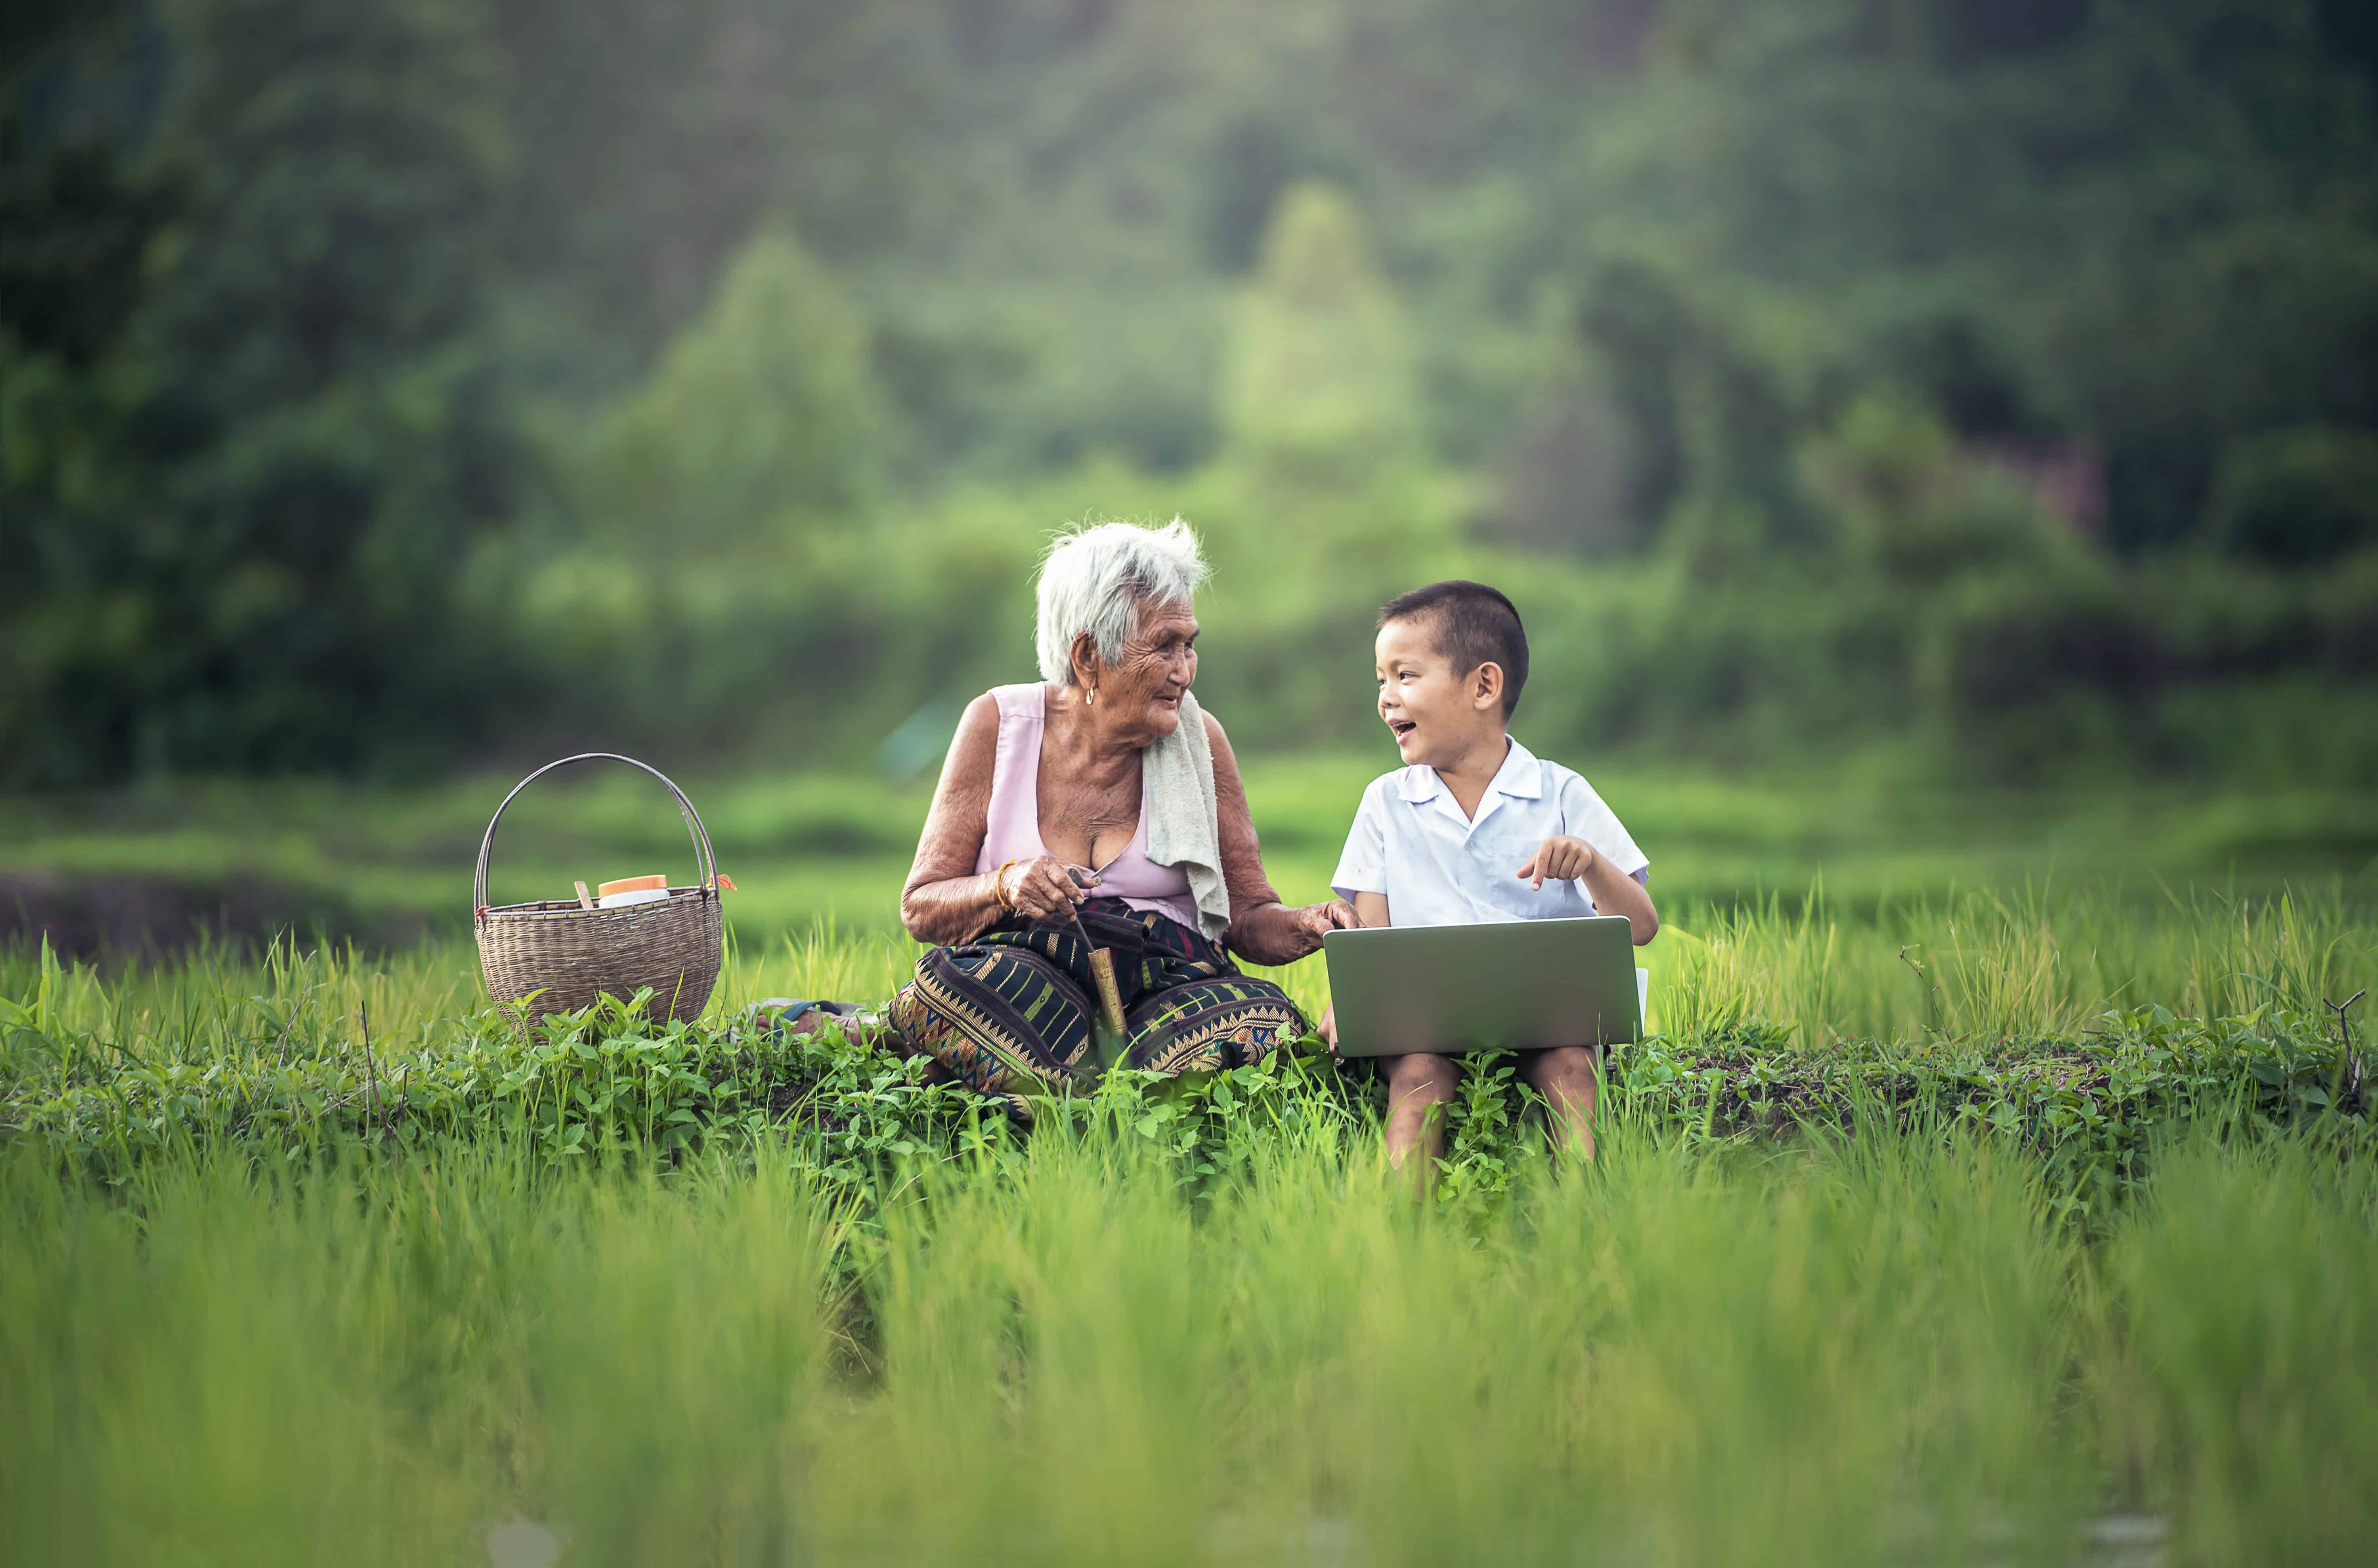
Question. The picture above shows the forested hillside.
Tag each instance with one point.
(394, 382)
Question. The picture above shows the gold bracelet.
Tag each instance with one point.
(999, 887)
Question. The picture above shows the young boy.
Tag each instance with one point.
(1474, 828)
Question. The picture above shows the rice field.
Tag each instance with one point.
(870, 1323)
(1981, 964)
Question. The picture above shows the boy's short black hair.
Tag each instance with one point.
(1474, 625)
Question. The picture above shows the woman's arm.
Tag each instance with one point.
(946, 900)
(1263, 930)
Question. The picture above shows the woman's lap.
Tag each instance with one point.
(1012, 1011)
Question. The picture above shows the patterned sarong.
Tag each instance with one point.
(1014, 1011)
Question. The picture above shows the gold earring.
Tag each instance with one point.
(1090, 698)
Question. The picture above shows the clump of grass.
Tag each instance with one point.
(374, 1363)
(2236, 1351)
(1988, 966)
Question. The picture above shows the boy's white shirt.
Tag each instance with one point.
(1438, 867)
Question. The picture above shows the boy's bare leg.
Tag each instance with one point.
(1417, 1086)
(1564, 1076)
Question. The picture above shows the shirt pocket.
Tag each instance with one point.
(1504, 847)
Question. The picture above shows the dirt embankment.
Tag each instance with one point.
(138, 912)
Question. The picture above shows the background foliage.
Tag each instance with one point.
(394, 382)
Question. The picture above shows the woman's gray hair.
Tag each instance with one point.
(1095, 578)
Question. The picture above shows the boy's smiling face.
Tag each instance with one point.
(1437, 713)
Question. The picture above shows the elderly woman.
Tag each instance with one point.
(1098, 802)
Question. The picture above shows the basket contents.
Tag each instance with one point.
(630, 890)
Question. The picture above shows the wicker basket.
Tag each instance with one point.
(558, 956)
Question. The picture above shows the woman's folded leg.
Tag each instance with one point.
(1001, 1019)
(1209, 1024)
(1013, 1012)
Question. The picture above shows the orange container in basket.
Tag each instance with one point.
(630, 890)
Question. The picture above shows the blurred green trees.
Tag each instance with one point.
(763, 410)
(2298, 497)
(1318, 383)
(407, 377)
(1914, 509)
(240, 513)
(715, 567)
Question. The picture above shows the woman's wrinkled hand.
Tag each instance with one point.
(1043, 888)
(1310, 922)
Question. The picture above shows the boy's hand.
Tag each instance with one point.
(1329, 1030)
(1560, 858)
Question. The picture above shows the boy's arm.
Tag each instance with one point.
(1613, 891)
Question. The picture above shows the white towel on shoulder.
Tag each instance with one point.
(1176, 782)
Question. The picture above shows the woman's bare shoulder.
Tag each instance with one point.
(1226, 761)
(983, 710)
(976, 745)
(1218, 741)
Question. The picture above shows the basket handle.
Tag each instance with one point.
(709, 865)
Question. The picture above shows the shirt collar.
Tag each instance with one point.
(1518, 778)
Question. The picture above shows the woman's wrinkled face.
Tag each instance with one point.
(1158, 662)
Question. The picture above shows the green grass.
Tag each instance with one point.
(1975, 965)
(1887, 1351)
(2009, 1224)
(2081, 1028)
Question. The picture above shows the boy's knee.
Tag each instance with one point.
(1423, 1074)
(1568, 1066)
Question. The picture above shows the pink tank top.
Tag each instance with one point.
(1013, 830)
